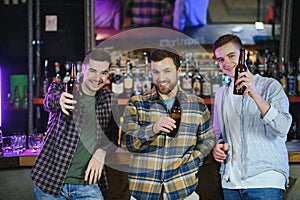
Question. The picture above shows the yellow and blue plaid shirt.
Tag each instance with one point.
(159, 161)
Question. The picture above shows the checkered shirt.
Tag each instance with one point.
(159, 161)
(63, 133)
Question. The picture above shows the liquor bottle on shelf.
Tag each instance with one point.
(291, 79)
(117, 84)
(216, 81)
(175, 114)
(260, 67)
(293, 132)
(137, 81)
(197, 81)
(249, 63)
(298, 77)
(9, 101)
(128, 80)
(266, 71)
(17, 98)
(146, 77)
(78, 70)
(46, 81)
(67, 75)
(267, 65)
(241, 67)
(282, 76)
(206, 86)
(275, 73)
(24, 101)
(57, 76)
(186, 80)
(256, 64)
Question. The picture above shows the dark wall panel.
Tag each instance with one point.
(68, 40)
(295, 39)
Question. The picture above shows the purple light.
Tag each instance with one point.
(0, 100)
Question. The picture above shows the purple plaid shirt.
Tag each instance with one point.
(150, 13)
(63, 133)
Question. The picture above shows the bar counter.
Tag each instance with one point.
(120, 160)
(17, 168)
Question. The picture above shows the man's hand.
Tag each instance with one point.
(164, 124)
(95, 166)
(219, 152)
(66, 102)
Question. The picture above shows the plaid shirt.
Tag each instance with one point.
(159, 161)
(150, 12)
(63, 133)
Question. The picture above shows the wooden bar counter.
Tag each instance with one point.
(17, 168)
(27, 158)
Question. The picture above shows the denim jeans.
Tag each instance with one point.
(193, 196)
(71, 191)
(253, 193)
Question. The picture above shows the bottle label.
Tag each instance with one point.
(291, 85)
(138, 87)
(186, 83)
(283, 82)
(197, 88)
(146, 85)
(128, 83)
(117, 88)
(206, 90)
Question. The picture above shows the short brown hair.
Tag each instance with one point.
(224, 39)
(160, 54)
(98, 55)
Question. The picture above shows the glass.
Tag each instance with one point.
(35, 142)
(7, 144)
(18, 142)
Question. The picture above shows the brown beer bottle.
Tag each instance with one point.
(71, 84)
(176, 115)
(241, 67)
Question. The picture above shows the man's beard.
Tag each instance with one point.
(165, 90)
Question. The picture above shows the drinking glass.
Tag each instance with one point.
(18, 143)
(35, 141)
(7, 144)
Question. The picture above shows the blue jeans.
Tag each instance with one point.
(253, 193)
(71, 191)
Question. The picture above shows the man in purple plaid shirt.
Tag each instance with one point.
(72, 159)
(150, 12)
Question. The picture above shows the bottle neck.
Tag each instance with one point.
(242, 60)
(73, 72)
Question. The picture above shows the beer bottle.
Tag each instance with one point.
(176, 115)
(241, 67)
(197, 81)
(282, 76)
(46, 81)
(71, 87)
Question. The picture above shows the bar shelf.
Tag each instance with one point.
(208, 101)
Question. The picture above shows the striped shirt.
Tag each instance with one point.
(63, 133)
(159, 161)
